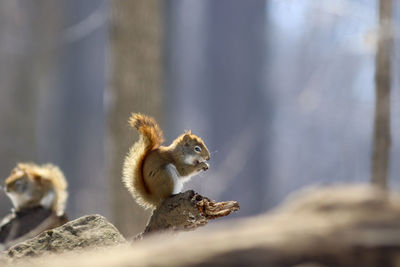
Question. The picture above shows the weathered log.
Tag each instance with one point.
(182, 212)
(186, 211)
(333, 226)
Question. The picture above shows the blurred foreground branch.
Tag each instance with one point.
(332, 226)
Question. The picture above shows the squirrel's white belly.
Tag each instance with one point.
(18, 200)
(178, 180)
(48, 199)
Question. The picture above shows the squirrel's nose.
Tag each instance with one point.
(208, 158)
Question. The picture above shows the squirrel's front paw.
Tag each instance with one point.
(203, 166)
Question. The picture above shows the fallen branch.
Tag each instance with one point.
(186, 211)
(334, 226)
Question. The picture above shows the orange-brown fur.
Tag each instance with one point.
(39, 180)
(149, 167)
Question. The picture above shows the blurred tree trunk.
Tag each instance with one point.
(217, 88)
(71, 121)
(26, 33)
(381, 149)
(135, 55)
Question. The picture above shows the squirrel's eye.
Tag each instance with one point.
(197, 149)
(20, 186)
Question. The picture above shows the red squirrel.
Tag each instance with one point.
(31, 185)
(153, 172)
(38, 194)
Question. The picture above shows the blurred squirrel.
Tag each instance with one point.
(153, 172)
(39, 195)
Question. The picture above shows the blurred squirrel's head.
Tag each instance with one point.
(30, 185)
(27, 190)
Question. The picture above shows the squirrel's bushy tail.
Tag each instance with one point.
(151, 137)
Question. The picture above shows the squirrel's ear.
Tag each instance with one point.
(186, 138)
(187, 134)
(37, 178)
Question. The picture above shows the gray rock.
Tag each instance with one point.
(86, 232)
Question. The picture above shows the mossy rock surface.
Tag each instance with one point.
(86, 232)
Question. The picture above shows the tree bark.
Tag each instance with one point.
(381, 149)
(135, 86)
(186, 211)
